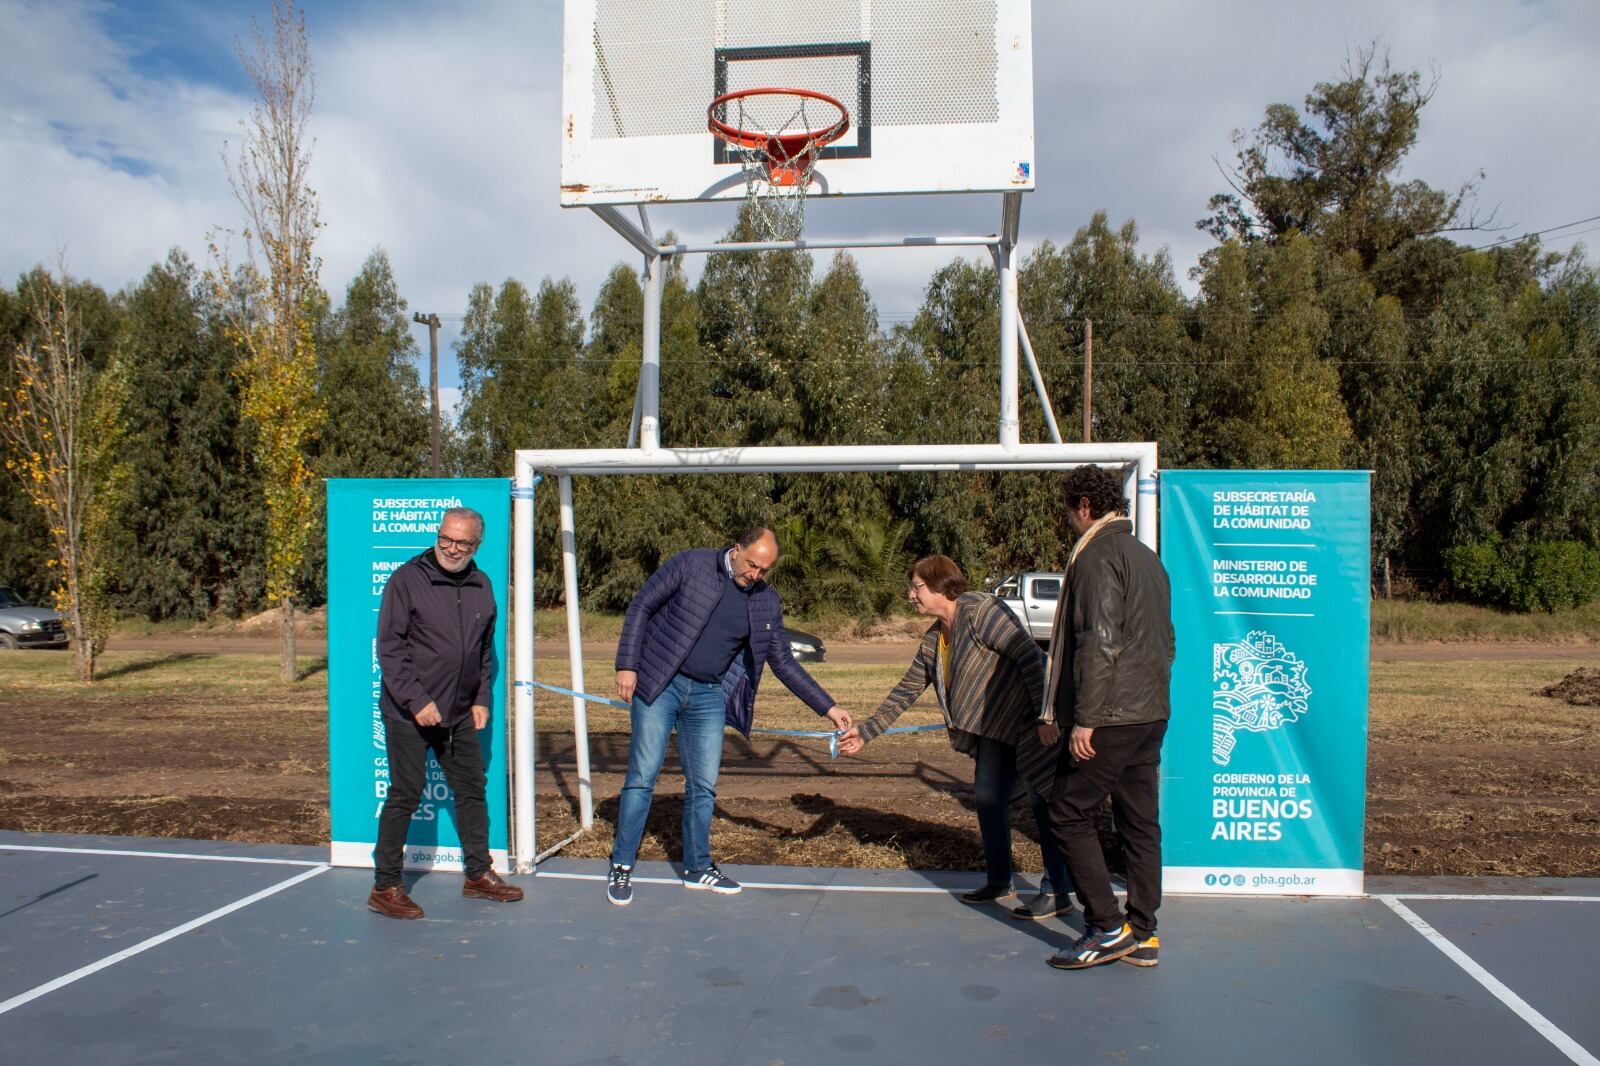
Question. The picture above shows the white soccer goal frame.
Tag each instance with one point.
(645, 455)
(1137, 461)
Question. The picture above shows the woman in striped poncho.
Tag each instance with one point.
(989, 676)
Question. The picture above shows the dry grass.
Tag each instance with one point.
(1403, 621)
(1470, 771)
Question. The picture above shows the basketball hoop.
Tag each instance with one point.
(777, 145)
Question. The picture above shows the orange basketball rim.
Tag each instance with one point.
(789, 154)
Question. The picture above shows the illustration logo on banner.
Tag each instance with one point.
(1260, 686)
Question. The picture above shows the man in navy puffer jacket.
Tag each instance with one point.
(694, 643)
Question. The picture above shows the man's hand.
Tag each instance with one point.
(480, 716)
(840, 718)
(1080, 743)
(429, 715)
(626, 679)
(851, 742)
(1049, 734)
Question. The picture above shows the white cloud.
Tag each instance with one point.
(96, 160)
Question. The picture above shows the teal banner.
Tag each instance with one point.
(375, 526)
(1264, 771)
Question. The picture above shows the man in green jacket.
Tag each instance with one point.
(1110, 672)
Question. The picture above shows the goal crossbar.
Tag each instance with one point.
(1137, 462)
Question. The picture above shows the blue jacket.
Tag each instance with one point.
(670, 612)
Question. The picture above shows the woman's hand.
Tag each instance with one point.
(851, 742)
(1049, 734)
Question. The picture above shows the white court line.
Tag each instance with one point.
(1541, 1025)
(163, 855)
(160, 938)
(1487, 898)
(1464, 896)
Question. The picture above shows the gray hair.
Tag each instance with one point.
(463, 512)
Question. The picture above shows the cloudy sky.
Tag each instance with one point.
(437, 130)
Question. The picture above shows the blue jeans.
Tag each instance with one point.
(993, 779)
(695, 709)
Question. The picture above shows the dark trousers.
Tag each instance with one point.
(1127, 767)
(994, 778)
(456, 748)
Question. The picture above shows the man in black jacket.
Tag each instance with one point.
(436, 653)
(1110, 673)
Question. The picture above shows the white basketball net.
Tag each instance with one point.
(778, 211)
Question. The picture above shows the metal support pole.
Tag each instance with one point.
(650, 362)
(1088, 380)
(522, 732)
(580, 708)
(630, 233)
(817, 244)
(1033, 366)
(432, 322)
(633, 422)
(1038, 381)
(1006, 259)
(1147, 520)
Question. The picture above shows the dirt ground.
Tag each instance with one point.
(1513, 795)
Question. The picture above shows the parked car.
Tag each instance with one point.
(23, 626)
(1032, 597)
(807, 647)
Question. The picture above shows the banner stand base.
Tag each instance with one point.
(418, 856)
(1261, 881)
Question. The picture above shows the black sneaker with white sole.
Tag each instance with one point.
(1096, 948)
(712, 880)
(619, 886)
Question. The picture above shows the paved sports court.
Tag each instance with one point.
(121, 950)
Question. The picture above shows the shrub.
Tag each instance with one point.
(1556, 576)
(1480, 572)
(1548, 576)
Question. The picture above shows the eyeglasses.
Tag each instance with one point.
(918, 586)
(451, 544)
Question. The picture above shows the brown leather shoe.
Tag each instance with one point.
(489, 886)
(393, 902)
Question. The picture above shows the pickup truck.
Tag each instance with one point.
(1032, 597)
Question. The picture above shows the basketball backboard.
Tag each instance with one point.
(939, 93)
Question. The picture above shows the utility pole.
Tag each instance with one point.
(1088, 377)
(432, 322)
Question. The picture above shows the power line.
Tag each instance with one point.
(1072, 362)
(1535, 233)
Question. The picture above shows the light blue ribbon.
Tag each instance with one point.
(569, 692)
(832, 736)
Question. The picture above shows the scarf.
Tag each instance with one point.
(1052, 678)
